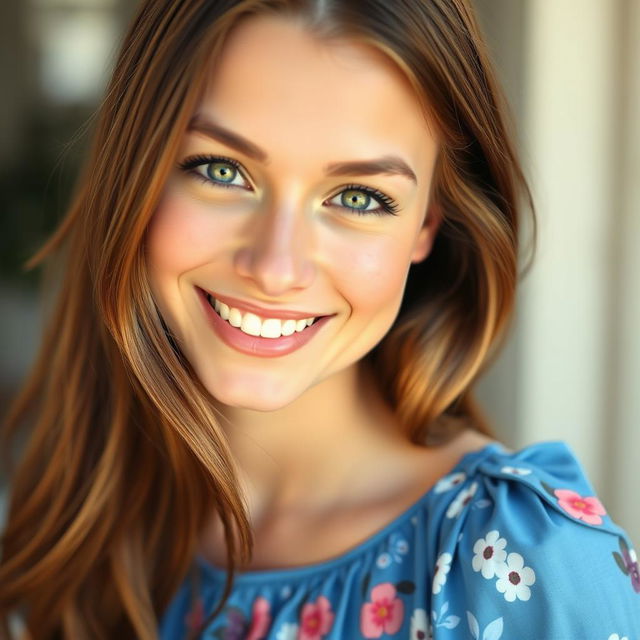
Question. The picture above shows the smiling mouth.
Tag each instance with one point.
(257, 326)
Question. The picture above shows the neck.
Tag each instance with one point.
(307, 452)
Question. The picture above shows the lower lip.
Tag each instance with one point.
(257, 345)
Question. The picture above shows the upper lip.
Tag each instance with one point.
(285, 314)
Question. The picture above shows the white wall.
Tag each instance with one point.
(624, 464)
(573, 361)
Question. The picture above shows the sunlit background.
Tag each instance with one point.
(571, 69)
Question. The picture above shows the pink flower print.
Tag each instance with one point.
(316, 619)
(195, 618)
(260, 619)
(588, 509)
(384, 614)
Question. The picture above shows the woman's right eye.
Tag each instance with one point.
(216, 171)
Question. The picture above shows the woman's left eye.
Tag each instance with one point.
(364, 201)
(216, 171)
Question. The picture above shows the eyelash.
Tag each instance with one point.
(388, 206)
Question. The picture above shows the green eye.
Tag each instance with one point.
(221, 171)
(216, 171)
(355, 199)
(364, 201)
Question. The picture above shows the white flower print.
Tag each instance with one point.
(443, 566)
(401, 546)
(288, 631)
(397, 548)
(461, 500)
(615, 636)
(384, 560)
(285, 592)
(489, 554)
(516, 471)
(420, 627)
(450, 481)
(514, 579)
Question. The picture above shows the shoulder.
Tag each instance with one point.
(524, 543)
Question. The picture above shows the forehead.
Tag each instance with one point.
(276, 84)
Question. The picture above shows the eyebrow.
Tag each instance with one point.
(387, 165)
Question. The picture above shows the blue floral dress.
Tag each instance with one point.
(508, 545)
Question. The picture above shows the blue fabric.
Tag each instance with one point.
(508, 545)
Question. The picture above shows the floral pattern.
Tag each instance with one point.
(516, 471)
(588, 509)
(493, 631)
(491, 560)
(514, 579)
(398, 548)
(452, 568)
(288, 631)
(420, 627)
(316, 619)
(442, 620)
(461, 500)
(260, 619)
(448, 482)
(443, 566)
(489, 554)
(196, 617)
(627, 560)
(383, 614)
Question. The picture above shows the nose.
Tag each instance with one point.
(277, 252)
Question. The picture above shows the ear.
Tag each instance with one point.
(427, 233)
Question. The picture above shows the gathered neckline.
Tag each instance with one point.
(258, 575)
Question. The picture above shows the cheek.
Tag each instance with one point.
(180, 235)
(183, 235)
(373, 278)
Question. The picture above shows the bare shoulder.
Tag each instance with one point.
(466, 442)
(441, 459)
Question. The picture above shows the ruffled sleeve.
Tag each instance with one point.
(525, 550)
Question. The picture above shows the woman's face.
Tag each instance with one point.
(282, 203)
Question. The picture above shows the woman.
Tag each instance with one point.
(292, 252)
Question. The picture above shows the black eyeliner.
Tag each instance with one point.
(388, 205)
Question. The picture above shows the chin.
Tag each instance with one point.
(255, 404)
(253, 395)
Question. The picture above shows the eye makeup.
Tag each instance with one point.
(190, 166)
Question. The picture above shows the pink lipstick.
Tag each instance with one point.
(257, 345)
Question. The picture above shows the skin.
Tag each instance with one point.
(308, 431)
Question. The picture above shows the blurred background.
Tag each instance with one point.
(571, 70)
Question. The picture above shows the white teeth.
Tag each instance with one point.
(288, 327)
(271, 328)
(235, 317)
(254, 325)
(251, 324)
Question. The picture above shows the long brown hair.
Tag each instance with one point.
(123, 442)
